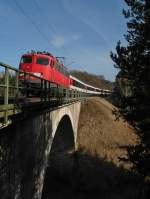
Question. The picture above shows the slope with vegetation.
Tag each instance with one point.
(94, 171)
(133, 83)
(100, 133)
(94, 80)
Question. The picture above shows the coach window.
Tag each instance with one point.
(42, 61)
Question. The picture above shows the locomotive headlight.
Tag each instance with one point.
(21, 74)
(37, 74)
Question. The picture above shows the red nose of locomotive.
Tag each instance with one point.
(26, 63)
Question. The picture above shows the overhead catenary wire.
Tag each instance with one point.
(35, 25)
(51, 26)
(43, 35)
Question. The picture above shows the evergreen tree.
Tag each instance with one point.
(133, 62)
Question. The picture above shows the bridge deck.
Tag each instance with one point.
(18, 94)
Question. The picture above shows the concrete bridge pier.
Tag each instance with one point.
(50, 132)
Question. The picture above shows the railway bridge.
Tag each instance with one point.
(35, 124)
(27, 144)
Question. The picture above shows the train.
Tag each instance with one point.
(50, 68)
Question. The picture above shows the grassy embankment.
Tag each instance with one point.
(94, 171)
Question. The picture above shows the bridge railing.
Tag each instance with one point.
(16, 92)
(5, 87)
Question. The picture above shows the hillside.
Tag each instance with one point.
(94, 80)
(94, 170)
(99, 133)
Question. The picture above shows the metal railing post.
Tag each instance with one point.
(17, 86)
(49, 91)
(41, 92)
(6, 94)
(45, 90)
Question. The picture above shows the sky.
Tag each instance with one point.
(82, 31)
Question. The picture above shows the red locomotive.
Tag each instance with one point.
(46, 66)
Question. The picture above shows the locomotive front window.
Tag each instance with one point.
(26, 59)
(42, 61)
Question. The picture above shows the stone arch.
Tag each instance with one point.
(63, 140)
(58, 115)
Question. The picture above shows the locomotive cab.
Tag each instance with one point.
(36, 64)
(45, 66)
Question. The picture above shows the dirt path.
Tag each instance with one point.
(99, 133)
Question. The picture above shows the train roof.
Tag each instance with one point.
(40, 52)
(44, 54)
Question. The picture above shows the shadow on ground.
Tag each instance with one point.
(79, 175)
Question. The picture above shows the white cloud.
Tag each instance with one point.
(60, 40)
(76, 37)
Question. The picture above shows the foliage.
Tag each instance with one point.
(133, 61)
(12, 81)
(94, 80)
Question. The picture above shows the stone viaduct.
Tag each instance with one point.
(32, 140)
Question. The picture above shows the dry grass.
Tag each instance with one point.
(99, 133)
(94, 171)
